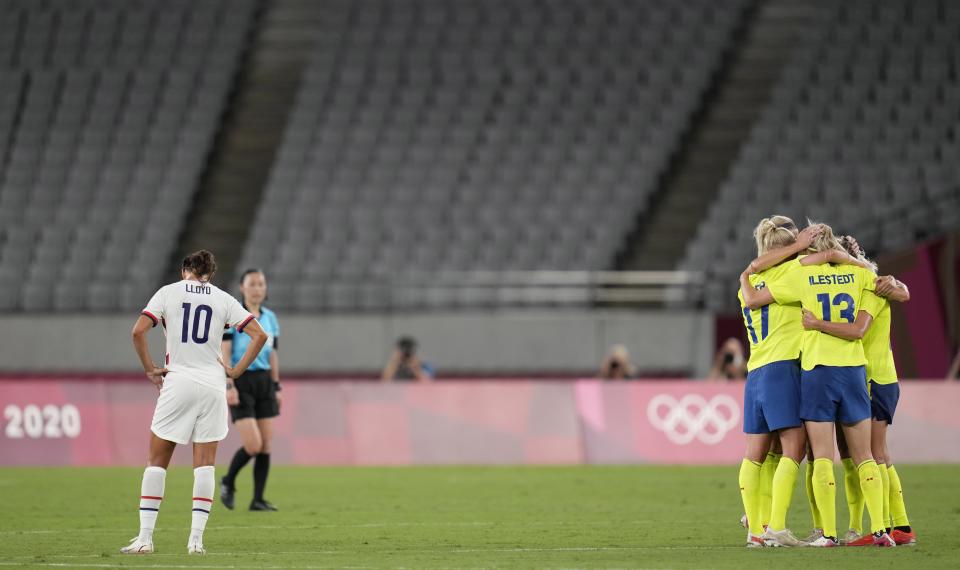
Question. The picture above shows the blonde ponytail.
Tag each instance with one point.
(826, 240)
(773, 233)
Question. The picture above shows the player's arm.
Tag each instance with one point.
(752, 297)
(771, 258)
(226, 351)
(275, 371)
(259, 338)
(889, 287)
(848, 331)
(154, 373)
(834, 256)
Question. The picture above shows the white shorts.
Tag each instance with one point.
(189, 411)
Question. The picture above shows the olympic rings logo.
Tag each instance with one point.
(693, 417)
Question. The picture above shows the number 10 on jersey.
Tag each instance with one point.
(202, 313)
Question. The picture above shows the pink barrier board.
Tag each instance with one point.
(106, 422)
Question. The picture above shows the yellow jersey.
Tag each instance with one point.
(775, 331)
(832, 293)
(876, 342)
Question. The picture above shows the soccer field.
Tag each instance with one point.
(446, 517)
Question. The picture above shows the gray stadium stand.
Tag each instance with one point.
(432, 136)
(108, 110)
(862, 132)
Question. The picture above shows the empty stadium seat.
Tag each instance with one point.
(860, 133)
(434, 135)
(111, 109)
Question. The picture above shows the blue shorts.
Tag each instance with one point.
(771, 397)
(883, 401)
(834, 394)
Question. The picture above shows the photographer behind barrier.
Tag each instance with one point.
(616, 365)
(405, 365)
(729, 362)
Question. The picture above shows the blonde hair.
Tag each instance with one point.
(847, 242)
(773, 233)
(826, 240)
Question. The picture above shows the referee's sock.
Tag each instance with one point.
(151, 493)
(203, 484)
(240, 459)
(261, 468)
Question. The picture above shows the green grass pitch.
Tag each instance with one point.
(447, 517)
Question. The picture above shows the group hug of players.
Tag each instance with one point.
(820, 371)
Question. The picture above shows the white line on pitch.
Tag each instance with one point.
(318, 526)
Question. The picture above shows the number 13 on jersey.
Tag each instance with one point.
(848, 311)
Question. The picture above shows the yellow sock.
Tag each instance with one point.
(872, 486)
(811, 499)
(765, 496)
(898, 510)
(825, 490)
(885, 479)
(851, 484)
(749, 488)
(784, 480)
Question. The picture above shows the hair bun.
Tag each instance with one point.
(201, 263)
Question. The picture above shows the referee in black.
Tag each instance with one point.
(254, 397)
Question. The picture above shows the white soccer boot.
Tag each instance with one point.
(824, 542)
(814, 535)
(138, 546)
(754, 541)
(195, 546)
(851, 536)
(781, 538)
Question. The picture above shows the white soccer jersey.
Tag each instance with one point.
(194, 316)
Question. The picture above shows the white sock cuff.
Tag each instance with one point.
(198, 470)
(153, 469)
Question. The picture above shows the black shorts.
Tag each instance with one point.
(258, 396)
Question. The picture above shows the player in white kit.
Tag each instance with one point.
(192, 404)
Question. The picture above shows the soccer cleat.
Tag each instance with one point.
(879, 538)
(226, 495)
(814, 535)
(754, 541)
(137, 546)
(262, 506)
(779, 538)
(884, 540)
(903, 538)
(195, 546)
(851, 536)
(824, 542)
